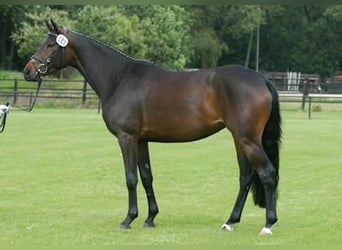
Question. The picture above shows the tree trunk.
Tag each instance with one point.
(3, 35)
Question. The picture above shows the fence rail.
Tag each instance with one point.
(320, 97)
(293, 82)
(299, 88)
(21, 93)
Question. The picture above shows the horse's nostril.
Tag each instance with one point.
(26, 71)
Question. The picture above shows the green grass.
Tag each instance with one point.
(62, 183)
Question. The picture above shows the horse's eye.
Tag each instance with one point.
(50, 45)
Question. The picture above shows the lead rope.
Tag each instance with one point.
(36, 96)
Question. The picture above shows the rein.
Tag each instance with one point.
(39, 84)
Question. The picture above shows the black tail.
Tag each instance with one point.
(271, 140)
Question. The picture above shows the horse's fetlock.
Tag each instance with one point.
(133, 215)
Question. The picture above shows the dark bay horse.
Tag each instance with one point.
(143, 103)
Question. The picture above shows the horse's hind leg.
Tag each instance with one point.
(266, 173)
(246, 176)
(147, 179)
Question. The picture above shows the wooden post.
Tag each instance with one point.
(15, 91)
(99, 107)
(309, 107)
(305, 94)
(84, 94)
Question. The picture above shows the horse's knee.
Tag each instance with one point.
(131, 181)
(147, 181)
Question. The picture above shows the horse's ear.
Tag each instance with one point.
(48, 25)
(54, 27)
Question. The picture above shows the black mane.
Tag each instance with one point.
(116, 50)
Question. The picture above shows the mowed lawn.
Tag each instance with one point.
(62, 183)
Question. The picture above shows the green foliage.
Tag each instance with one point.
(109, 24)
(162, 36)
(167, 35)
(307, 42)
(208, 47)
(315, 51)
(10, 18)
(334, 11)
(303, 38)
(215, 26)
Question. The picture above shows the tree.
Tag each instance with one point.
(307, 42)
(334, 13)
(110, 25)
(166, 31)
(216, 28)
(167, 35)
(10, 16)
(162, 35)
(301, 38)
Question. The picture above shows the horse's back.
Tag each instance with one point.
(239, 78)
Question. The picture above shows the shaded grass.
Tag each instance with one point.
(62, 183)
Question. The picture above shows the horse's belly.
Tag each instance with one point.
(170, 130)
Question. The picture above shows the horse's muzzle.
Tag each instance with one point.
(30, 73)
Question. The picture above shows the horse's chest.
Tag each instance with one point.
(122, 117)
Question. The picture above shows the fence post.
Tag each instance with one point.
(305, 93)
(99, 107)
(84, 95)
(15, 91)
(309, 107)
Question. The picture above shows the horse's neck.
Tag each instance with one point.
(99, 64)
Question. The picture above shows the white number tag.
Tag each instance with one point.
(62, 41)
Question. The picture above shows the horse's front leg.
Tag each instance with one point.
(147, 179)
(128, 145)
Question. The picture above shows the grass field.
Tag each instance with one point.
(62, 184)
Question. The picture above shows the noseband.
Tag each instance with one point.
(43, 67)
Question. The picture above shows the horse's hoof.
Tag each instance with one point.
(124, 226)
(266, 231)
(227, 227)
(149, 224)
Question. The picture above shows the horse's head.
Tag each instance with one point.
(53, 54)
